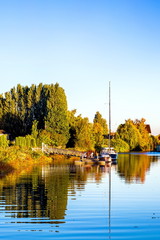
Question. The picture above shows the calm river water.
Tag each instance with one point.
(65, 201)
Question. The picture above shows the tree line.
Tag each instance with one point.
(36, 114)
(134, 136)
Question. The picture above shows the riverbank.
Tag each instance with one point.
(18, 161)
(14, 159)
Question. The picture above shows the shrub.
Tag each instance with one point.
(4, 142)
(120, 145)
(27, 141)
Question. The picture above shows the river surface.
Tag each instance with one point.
(72, 202)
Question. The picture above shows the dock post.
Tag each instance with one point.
(43, 147)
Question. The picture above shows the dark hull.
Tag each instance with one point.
(113, 156)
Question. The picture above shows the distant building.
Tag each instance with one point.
(112, 135)
(148, 128)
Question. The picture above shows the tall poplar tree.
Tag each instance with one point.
(46, 104)
(56, 119)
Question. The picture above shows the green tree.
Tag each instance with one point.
(72, 128)
(98, 135)
(153, 142)
(34, 129)
(46, 104)
(144, 141)
(100, 129)
(84, 134)
(81, 132)
(129, 133)
(99, 119)
(56, 120)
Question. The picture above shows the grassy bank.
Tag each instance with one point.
(18, 160)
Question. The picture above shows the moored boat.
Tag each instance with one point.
(104, 157)
(101, 160)
(109, 152)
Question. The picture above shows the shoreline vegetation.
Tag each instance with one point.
(30, 116)
(15, 161)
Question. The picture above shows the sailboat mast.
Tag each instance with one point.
(109, 144)
(110, 165)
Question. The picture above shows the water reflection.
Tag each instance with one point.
(133, 167)
(82, 202)
(44, 193)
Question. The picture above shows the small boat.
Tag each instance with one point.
(109, 151)
(104, 156)
(101, 160)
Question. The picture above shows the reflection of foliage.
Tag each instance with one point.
(44, 192)
(133, 167)
(39, 195)
(57, 189)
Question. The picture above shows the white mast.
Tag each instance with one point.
(109, 144)
(110, 165)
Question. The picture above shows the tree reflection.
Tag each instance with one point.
(133, 167)
(44, 192)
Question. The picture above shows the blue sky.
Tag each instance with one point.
(82, 45)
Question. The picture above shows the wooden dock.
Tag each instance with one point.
(52, 150)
